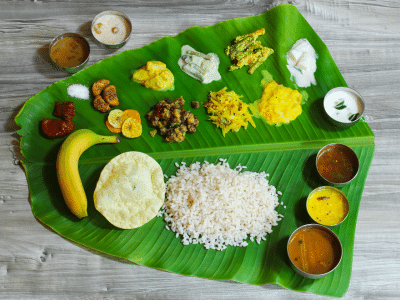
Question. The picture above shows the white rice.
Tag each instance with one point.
(217, 206)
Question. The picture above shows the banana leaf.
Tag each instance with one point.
(286, 152)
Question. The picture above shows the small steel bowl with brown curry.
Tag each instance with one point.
(314, 251)
(337, 164)
(70, 52)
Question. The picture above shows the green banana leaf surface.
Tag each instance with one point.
(285, 152)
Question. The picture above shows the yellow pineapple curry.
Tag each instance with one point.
(279, 104)
(155, 75)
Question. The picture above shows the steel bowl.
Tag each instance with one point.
(335, 190)
(335, 238)
(112, 45)
(350, 155)
(75, 35)
(340, 116)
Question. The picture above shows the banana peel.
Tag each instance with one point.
(67, 167)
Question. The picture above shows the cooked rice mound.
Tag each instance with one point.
(218, 206)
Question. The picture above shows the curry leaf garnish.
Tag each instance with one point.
(354, 117)
(340, 105)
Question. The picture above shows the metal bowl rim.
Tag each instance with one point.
(359, 97)
(70, 34)
(337, 190)
(337, 183)
(112, 12)
(310, 275)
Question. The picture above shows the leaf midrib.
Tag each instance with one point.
(351, 142)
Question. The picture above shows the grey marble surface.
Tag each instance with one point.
(363, 37)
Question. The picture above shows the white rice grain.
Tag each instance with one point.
(217, 206)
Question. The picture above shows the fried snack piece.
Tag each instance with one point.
(100, 104)
(130, 190)
(65, 111)
(114, 118)
(130, 113)
(54, 128)
(112, 128)
(110, 95)
(132, 128)
(99, 85)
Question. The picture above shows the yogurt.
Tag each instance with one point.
(344, 105)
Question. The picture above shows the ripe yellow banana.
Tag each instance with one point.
(67, 167)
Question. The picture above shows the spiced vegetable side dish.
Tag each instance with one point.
(172, 120)
(247, 50)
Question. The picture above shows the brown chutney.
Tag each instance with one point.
(337, 163)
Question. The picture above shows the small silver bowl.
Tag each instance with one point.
(336, 245)
(326, 208)
(337, 164)
(343, 106)
(115, 32)
(80, 39)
